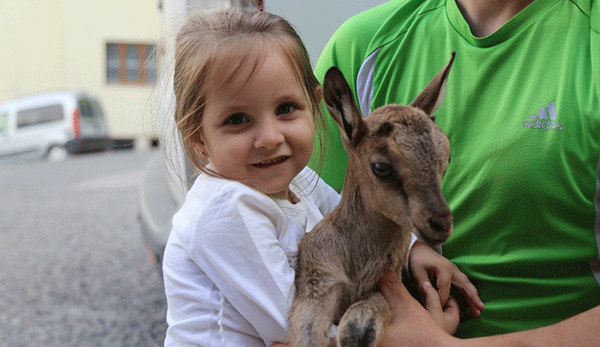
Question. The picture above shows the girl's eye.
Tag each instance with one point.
(285, 109)
(236, 119)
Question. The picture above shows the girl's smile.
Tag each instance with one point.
(259, 127)
(272, 162)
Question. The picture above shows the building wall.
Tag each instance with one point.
(51, 45)
(31, 47)
(317, 20)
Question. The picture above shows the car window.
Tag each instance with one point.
(39, 115)
(89, 108)
(85, 110)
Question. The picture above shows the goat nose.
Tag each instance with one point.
(441, 223)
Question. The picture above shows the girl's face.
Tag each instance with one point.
(262, 133)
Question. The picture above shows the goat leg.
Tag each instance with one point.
(312, 315)
(364, 322)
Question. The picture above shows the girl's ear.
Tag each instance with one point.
(202, 153)
(200, 147)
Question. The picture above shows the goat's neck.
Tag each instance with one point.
(364, 222)
(384, 241)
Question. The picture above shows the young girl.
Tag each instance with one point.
(247, 102)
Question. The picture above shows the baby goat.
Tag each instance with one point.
(397, 157)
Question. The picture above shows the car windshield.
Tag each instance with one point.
(89, 108)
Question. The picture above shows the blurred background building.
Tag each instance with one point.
(102, 47)
(109, 48)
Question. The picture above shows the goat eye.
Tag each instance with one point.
(382, 170)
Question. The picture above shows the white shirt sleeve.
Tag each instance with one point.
(239, 251)
(329, 198)
(323, 196)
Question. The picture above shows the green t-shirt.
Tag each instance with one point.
(522, 112)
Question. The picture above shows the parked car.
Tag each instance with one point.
(52, 125)
(162, 193)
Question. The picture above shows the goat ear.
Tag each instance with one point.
(432, 97)
(341, 106)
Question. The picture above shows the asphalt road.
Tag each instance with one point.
(73, 268)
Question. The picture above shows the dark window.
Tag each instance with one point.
(130, 63)
(39, 115)
(89, 108)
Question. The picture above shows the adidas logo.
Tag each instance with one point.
(544, 119)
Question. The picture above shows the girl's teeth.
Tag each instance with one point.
(271, 161)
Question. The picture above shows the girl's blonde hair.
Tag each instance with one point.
(211, 48)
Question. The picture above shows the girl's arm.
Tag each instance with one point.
(241, 254)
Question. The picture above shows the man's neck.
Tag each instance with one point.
(487, 16)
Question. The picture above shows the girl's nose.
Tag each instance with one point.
(269, 135)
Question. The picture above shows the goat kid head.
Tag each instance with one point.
(397, 156)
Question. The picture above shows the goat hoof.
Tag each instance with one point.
(355, 334)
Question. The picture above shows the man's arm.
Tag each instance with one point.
(413, 325)
(579, 331)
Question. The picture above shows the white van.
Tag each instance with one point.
(52, 125)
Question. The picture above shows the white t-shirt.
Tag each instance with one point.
(228, 264)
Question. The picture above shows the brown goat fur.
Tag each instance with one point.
(397, 157)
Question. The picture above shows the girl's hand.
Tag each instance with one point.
(413, 325)
(427, 265)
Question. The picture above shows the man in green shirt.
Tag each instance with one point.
(522, 113)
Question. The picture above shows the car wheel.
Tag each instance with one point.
(56, 154)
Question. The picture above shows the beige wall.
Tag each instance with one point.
(61, 44)
(32, 49)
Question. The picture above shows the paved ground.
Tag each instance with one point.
(73, 269)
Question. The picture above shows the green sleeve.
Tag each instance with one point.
(347, 49)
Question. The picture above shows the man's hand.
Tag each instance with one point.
(414, 325)
(426, 265)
